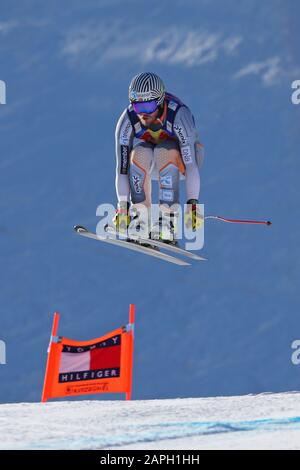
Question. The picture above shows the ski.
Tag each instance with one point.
(131, 245)
(164, 246)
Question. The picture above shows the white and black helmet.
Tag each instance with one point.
(147, 86)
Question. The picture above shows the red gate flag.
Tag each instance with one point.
(101, 365)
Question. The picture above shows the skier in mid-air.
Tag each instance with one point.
(156, 138)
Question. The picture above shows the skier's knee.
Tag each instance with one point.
(169, 185)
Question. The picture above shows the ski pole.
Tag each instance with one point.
(238, 221)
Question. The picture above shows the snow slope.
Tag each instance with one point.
(267, 421)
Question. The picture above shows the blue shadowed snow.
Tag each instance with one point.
(136, 434)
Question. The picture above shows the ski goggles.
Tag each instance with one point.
(145, 107)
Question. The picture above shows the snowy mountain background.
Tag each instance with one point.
(224, 327)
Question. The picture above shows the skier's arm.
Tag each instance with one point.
(123, 143)
(186, 132)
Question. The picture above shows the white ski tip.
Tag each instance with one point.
(79, 228)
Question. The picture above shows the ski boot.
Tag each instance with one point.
(165, 229)
(131, 224)
(139, 227)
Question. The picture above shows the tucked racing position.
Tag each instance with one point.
(156, 138)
